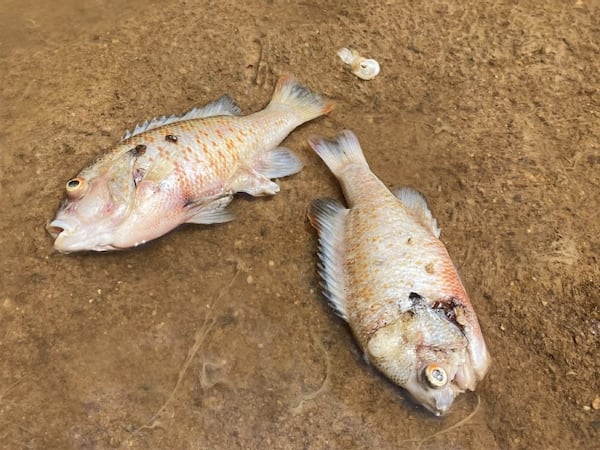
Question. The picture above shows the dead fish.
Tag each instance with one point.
(388, 275)
(179, 169)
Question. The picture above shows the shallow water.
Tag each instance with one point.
(217, 336)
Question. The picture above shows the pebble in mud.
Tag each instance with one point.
(596, 403)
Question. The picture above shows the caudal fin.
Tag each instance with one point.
(344, 149)
(306, 104)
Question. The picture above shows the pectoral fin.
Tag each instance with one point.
(212, 211)
(278, 162)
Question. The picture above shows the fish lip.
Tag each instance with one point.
(56, 227)
(438, 409)
(440, 412)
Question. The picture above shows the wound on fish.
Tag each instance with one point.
(450, 308)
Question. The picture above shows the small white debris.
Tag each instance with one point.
(363, 68)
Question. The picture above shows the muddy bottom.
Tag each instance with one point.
(217, 337)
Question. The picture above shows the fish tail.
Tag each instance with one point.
(340, 151)
(304, 102)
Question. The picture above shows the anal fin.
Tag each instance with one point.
(416, 202)
(328, 217)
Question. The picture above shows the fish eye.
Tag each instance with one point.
(76, 187)
(435, 375)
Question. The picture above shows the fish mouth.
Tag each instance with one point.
(56, 227)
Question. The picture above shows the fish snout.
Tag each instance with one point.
(63, 233)
(56, 227)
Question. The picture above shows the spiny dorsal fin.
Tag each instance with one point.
(415, 201)
(328, 216)
(224, 106)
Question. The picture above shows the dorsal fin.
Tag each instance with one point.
(224, 106)
(328, 217)
(415, 201)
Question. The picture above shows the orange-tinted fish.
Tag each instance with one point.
(389, 276)
(182, 169)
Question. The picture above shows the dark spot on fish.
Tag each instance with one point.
(414, 297)
(429, 268)
(72, 184)
(409, 241)
(138, 150)
(171, 138)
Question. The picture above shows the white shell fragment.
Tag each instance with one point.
(364, 68)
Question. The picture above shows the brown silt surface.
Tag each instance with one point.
(217, 337)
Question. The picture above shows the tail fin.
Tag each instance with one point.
(338, 152)
(307, 104)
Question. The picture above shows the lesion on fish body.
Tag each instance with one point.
(374, 315)
(453, 309)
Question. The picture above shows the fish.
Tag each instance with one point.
(182, 169)
(386, 273)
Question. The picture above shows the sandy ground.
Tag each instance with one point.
(217, 337)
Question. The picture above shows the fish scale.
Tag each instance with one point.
(211, 151)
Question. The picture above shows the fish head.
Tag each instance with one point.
(95, 205)
(424, 353)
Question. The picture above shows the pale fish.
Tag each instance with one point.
(388, 275)
(179, 169)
